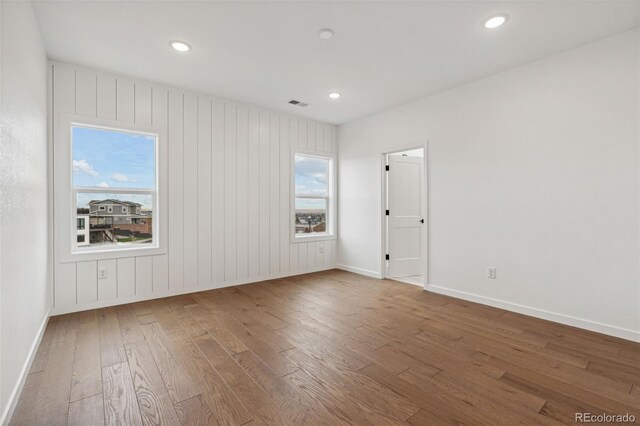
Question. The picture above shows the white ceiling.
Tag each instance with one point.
(265, 53)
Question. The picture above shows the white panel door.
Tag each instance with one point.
(405, 219)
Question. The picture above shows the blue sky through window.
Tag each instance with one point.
(311, 179)
(112, 159)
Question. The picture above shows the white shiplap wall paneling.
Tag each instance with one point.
(126, 273)
(87, 281)
(284, 183)
(205, 243)
(190, 191)
(264, 194)
(125, 100)
(242, 192)
(176, 188)
(217, 190)
(274, 191)
(108, 287)
(230, 187)
(253, 193)
(106, 96)
(228, 180)
(144, 275)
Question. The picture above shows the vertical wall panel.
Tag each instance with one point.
(303, 258)
(311, 135)
(285, 211)
(176, 211)
(326, 132)
(264, 193)
(312, 253)
(86, 92)
(217, 193)
(253, 219)
(106, 92)
(142, 103)
(65, 285)
(242, 188)
(87, 281)
(108, 287)
(302, 134)
(160, 274)
(319, 137)
(205, 277)
(294, 137)
(126, 270)
(125, 97)
(230, 220)
(190, 191)
(274, 186)
(144, 275)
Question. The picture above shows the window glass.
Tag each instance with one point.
(114, 184)
(311, 211)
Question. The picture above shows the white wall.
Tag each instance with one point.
(228, 165)
(535, 171)
(25, 291)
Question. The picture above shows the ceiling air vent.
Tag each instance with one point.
(298, 103)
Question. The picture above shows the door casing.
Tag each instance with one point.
(425, 208)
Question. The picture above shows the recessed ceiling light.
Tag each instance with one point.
(325, 33)
(495, 21)
(180, 46)
(334, 95)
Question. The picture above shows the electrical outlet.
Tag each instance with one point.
(320, 249)
(491, 273)
(103, 273)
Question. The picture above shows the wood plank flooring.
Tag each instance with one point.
(324, 348)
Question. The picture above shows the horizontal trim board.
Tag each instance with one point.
(168, 293)
(355, 270)
(17, 390)
(597, 327)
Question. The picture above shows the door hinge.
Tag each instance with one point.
(387, 212)
(386, 257)
(386, 167)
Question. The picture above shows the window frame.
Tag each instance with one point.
(65, 202)
(331, 216)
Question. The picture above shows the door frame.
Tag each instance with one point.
(425, 208)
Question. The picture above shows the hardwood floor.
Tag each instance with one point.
(324, 348)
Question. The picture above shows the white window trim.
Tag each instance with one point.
(331, 198)
(65, 211)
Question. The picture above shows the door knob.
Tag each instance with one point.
(421, 220)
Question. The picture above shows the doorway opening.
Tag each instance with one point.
(404, 216)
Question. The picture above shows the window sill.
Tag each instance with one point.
(115, 253)
(306, 239)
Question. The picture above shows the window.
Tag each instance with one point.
(113, 170)
(313, 201)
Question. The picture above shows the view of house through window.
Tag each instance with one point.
(114, 186)
(311, 195)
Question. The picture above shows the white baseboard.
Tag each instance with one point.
(17, 389)
(368, 273)
(598, 327)
(60, 310)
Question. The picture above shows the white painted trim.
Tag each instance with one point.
(425, 206)
(160, 294)
(355, 270)
(17, 390)
(597, 327)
